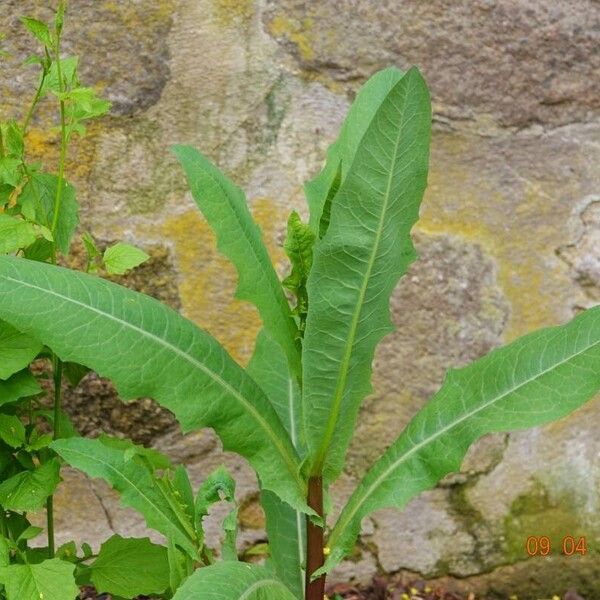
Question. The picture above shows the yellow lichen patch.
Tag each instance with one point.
(155, 11)
(229, 12)
(519, 234)
(298, 32)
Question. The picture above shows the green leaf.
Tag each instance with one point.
(68, 67)
(39, 29)
(233, 581)
(10, 171)
(83, 103)
(286, 527)
(30, 533)
(27, 491)
(74, 372)
(17, 350)
(15, 234)
(239, 238)
(181, 566)
(368, 248)
(136, 485)
(269, 368)
(230, 527)
(12, 430)
(49, 580)
(149, 456)
(340, 155)
(14, 139)
(90, 245)
(219, 485)
(37, 201)
(333, 190)
(129, 567)
(120, 258)
(65, 425)
(286, 532)
(5, 546)
(539, 378)
(20, 385)
(149, 350)
(299, 248)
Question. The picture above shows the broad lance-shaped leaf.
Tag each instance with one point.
(356, 265)
(224, 206)
(230, 580)
(285, 526)
(540, 377)
(136, 485)
(340, 155)
(147, 349)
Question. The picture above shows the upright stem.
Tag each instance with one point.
(56, 362)
(314, 590)
(58, 369)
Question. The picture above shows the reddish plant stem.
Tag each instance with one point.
(315, 590)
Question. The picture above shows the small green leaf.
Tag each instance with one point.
(68, 67)
(230, 527)
(299, 248)
(15, 234)
(27, 491)
(14, 139)
(12, 430)
(65, 425)
(39, 29)
(120, 258)
(87, 550)
(74, 372)
(20, 385)
(85, 104)
(5, 546)
(181, 566)
(10, 171)
(67, 551)
(129, 567)
(233, 581)
(37, 200)
(31, 532)
(90, 245)
(219, 485)
(17, 350)
(49, 580)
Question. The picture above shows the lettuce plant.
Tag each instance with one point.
(292, 411)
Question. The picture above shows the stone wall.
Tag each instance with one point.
(509, 236)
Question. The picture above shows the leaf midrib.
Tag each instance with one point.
(343, 373)
(341, 525)
(211, 374)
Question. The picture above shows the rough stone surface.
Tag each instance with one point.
(508, 237)
(544, 54)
